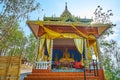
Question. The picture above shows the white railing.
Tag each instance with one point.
(42, 65)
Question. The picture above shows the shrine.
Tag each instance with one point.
(65, 47)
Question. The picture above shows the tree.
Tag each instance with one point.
(13, 11)
(110, 60)
(102, 17)
(110, 50)
(14, 42)
(12, 39)
(30, 48)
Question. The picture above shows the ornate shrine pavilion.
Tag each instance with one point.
(65, 48)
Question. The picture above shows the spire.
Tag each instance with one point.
(66, 13)
(66, 6)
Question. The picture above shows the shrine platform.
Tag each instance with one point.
(44, 74)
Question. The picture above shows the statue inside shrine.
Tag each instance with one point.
(66, 57)
(66, 54)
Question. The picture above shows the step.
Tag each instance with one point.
(40, 70)
(61, 74)
(61, 78)
(38, 74)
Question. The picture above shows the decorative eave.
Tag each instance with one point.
(35, 27)
(60, 23)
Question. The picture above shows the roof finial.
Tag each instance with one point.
(65, 5)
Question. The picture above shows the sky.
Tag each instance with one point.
(81, 8)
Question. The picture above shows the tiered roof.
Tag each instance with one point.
(66, 16)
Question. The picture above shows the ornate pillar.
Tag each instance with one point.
(50, 61)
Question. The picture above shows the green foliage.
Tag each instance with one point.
(14, 42)
(30, 48)
(12, 38)
(112, 74)
(109, 59)
(108, 68)
(13, 11)
(18, 8)
(110, 51)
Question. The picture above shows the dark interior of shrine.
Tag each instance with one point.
(58, 54)
(59, 47)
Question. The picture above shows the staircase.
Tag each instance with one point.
(43, 74)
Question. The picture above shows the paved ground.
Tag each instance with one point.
(23, 75)
(25, 70)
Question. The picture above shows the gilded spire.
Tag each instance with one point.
(66, 6)
(66, 13)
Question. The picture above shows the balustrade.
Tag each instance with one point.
(42, 65)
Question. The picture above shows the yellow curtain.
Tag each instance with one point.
(70, 35)
(83, 35)
(92, 43)
(89, 54)
(79, 45)
(85, 52)
(91, 40)
(41, 50)
(95, 49)
(85, 43)
(52, 34)
(48, 43)
(64, 35)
